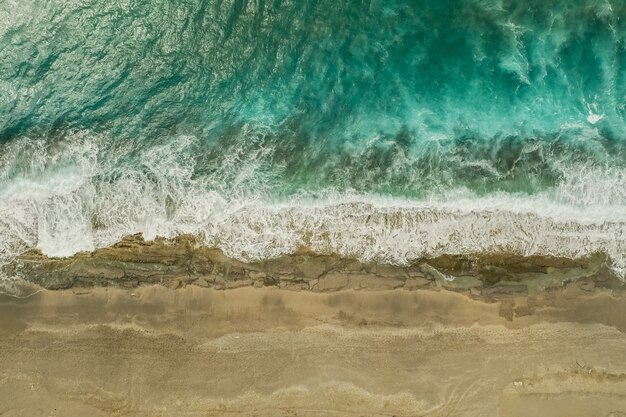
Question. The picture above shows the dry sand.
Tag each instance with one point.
(154, 351)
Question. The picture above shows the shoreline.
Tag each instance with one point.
(169, 328)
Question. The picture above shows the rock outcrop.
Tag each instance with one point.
(182, 261)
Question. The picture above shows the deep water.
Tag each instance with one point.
(167, 116)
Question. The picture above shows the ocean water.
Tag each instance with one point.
(385, 130)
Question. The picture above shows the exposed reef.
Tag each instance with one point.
(182, 261)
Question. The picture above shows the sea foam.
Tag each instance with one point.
(69, 199)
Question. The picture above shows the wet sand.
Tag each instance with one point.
(193, 351)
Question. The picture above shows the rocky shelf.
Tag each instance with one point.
(183, 261)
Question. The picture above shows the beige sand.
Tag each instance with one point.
(154, 351)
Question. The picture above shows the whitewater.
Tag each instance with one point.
(385, 131)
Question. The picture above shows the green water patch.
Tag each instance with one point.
(394, 97)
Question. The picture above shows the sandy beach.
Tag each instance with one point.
(194, 351)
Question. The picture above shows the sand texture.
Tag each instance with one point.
(154, 351)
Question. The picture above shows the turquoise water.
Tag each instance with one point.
(171, 117)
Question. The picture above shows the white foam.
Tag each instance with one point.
(70, 200)
(594, 118)
(401, 232)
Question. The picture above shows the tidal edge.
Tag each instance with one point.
(183, 261)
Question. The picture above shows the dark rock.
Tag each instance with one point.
(506, 289)
(201, 282)
(521, 311)
(182, 260)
